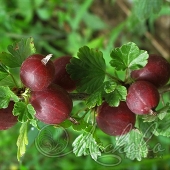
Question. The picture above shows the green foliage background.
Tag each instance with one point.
(61, 27)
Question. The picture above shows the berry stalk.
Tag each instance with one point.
(78, 96)
(164, 89)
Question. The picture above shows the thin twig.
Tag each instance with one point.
(164, 89)
(78, 96)
(153, 41)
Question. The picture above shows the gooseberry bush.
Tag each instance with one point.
(37, 88)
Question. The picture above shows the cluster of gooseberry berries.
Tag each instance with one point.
(142, 98)
(48, 83)
(45, 79)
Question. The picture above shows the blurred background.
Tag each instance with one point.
(61, 27)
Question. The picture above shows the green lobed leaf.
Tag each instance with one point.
(22, 140)
(34, 123)
(85, 144)
(119, 94)
(4, 72)
(24, 111)
(109, 86)
(7, 81)
(9, 60)
(90, 66)
(80, 126)
(149, 118)
(163, 126)
(146, 127)
(144, 8)
(128, 56)
(95, 99)
(134, 145)
(112, 93)
(161, 113)
(31, 111)
(6, 95)
(13, 78)
(66, 124)
(19, 51)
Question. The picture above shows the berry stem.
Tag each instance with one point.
(128, 79)
(13, 79)
(164, 89)
(137, 123)
(82, 117)
(46, 59)
(94, 118)
(78, 96)
(115, 79)
(81, 110)
(164, 109)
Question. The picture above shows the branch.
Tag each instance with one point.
(78, 96)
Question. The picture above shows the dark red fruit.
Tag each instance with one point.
(156, 71)
(52, 105)
(35, 74)
(115, 121)
(7, 119)
(142, 97)
(62, 78)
